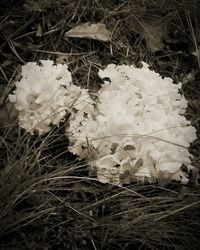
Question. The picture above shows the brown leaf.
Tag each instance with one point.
(154, 37)
(155, 31)
(96, 31)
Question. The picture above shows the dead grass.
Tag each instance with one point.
(47, 199)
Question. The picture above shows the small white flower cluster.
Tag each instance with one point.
(44, 95)
(137, 130)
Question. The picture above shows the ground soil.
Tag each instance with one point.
(47, 200)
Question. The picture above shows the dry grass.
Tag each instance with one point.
(47, 200)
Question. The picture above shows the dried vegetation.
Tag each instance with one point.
(47, 200)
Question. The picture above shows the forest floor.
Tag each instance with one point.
(47, 200)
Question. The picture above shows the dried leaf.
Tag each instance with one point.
(154, 36)
(96, 31)
(155, 31)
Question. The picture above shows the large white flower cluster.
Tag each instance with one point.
(137, 130)
(134, 130)
(44, 95)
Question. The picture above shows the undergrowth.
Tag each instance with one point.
(49, 199)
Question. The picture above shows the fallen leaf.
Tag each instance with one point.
(154, 37)
(96, 31)
(154, 30)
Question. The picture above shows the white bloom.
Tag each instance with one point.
(44, 95)
(137, 110)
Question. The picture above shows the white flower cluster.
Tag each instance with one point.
(137, 130)
(44, 95)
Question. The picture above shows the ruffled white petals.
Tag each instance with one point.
(138, 127)
(45, 94)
